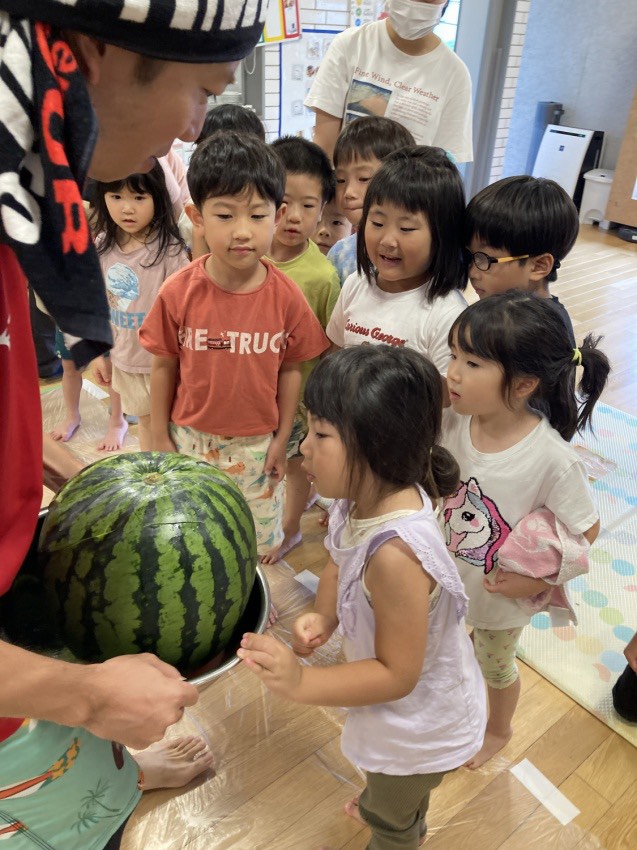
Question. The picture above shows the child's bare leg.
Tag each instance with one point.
(297, 490)
(117, 426)
(174, 763)
(495, 651)
(143, 433)
(502, 705)
(71, 389)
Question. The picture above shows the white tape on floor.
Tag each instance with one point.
(543, 790)
(93, 389)
(307, 579)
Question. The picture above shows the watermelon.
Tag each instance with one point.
(149, 552)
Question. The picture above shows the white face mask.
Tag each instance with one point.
(413, 20)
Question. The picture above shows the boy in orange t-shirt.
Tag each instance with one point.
(229, 332)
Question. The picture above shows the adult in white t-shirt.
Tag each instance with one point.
(398, 68)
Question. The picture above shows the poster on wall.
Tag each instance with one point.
(299, 63)
(282, 22)
(364, 11)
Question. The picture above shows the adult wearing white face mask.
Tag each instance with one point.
(398, 68)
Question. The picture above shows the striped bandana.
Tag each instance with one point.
(48, 131)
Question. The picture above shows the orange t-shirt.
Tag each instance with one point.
(230, 347)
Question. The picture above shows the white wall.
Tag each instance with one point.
(582, 53)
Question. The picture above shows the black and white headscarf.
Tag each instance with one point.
(48, 131)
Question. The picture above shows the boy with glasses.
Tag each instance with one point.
(518, 230)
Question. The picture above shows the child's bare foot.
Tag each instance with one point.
(273, 616)
(288, 544)
(324, 520)
(492, 744)
(351, 809)
(174, 763)
(114, 438)
(64, 431)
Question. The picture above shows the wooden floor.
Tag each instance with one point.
(281, 780)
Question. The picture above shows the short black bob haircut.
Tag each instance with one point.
(386, 404)
(231, 116)
(526, 337)
(371, 137)
(230, 163)
(524, 215)
(163, 233)
(300, 156)
(422, 179)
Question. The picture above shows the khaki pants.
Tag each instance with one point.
(394, 807)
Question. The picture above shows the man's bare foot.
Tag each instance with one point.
(492, 744)
(174, 763)
(63, 432)
(114, 438)
(288, 544)
(351, 809)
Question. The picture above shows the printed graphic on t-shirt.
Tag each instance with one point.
(236, 342)
(474, 527)
(122, 288)
(361, 334)
(370, 93)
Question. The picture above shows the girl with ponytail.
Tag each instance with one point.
(411, 680)
(515, 404)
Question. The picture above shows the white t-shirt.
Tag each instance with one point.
(496, 491)
(364, 73)
(366, 314)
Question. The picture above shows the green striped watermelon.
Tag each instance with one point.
(149, 552)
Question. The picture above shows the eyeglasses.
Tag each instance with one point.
(484, 262)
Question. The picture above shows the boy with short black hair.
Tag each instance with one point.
(361, 147)
(332, 227)
(309, 185)
(230, 331)
(518, 231)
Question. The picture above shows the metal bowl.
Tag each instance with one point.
(26, 620)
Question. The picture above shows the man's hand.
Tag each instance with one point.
(133, 699)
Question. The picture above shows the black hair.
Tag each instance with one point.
(386, 404)
(369, 137)
(299, 156)
(231, 116)
(163, 229)
(229, 163)
(422, 179)
(526, 336)
(524, 215)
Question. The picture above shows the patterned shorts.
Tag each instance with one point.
(242, 458)
(495, 651)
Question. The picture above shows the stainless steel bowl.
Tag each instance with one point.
(24, 615)
(255, 619)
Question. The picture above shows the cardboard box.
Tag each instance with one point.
(622, 203)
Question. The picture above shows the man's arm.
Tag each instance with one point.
(131, 699)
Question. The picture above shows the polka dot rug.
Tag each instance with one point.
(585, 660)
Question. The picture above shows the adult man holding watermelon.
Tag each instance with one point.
(99, 87)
